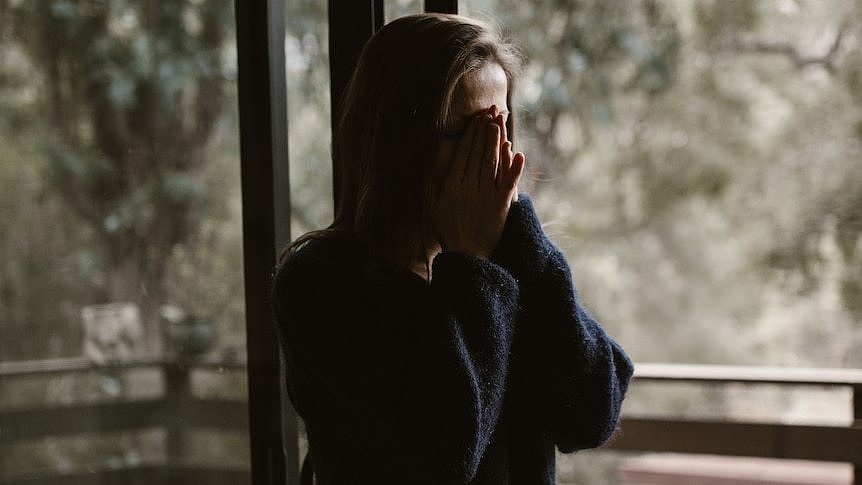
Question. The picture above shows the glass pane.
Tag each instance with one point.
(309, 132)
(308, 104)
(122, 342)
(698, 164)
(399, 8)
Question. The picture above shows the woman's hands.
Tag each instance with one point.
(470, 209)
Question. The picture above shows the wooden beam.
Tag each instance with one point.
(139, 475)
(79, 364)
(82, 418)
(643, 371)
(212, 413)
(753, 375)
(857, 423)
(766, 440)
(25, 424)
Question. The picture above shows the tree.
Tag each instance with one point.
(133, 92)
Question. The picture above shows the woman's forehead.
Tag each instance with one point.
(480, 89)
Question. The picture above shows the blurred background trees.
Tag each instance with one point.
(698, 161)
(118, 103)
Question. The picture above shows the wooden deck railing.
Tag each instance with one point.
(733, 438)
(176, 411)
(179, 412)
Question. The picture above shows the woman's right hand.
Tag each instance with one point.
(470, 209)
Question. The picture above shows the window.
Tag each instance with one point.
(121, 302)
(698, 163)
(309, 135)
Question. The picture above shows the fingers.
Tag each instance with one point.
(504, 128)
(514, 176)
(518, 162)
(460, 163)
(505, 165)
(477, 150)
(498, 120)
(483, 154)
(491, 157)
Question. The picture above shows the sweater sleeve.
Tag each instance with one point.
(410, 374)
(580, 373)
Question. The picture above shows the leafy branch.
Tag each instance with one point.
(785, 49)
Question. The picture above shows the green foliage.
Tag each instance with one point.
(132, 85)
(699, 163)
(721, 20)
(586, 54)
(663, 137)
(123, 99)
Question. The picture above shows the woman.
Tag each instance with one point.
(432, 334)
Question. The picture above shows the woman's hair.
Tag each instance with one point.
(392, 118)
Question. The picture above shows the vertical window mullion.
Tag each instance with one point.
(441, 6)
(266, 225)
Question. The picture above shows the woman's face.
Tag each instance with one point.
(476, 92)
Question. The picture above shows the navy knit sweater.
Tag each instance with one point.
(471, 379)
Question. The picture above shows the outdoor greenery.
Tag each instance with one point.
(700, 164)
(112, 110)
(698, 161)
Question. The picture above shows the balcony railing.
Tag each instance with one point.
(750, 439)
(178, 412)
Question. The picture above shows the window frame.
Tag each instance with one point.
(262, 98)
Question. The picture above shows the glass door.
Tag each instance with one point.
(122, 308)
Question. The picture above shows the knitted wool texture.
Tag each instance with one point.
(471, 379)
